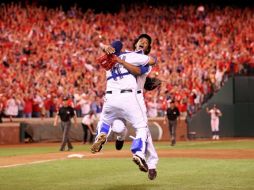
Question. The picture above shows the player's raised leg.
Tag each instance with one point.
(138, 149)
(103, 130)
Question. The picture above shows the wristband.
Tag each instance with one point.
(143, 69)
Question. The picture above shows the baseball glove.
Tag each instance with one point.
(107, 61)
(152, 83)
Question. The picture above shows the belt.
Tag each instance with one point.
(123, 91)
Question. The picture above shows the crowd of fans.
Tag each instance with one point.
(46, 54)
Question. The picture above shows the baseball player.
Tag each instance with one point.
(143, 45)
(215, 113)
(121, 90)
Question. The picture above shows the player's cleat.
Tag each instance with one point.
(97, 145)
(119, 144)
(152, 174)
(140, 162)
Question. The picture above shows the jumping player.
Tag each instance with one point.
(122, 90)
(142, 45)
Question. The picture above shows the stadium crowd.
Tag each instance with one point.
(48, 53)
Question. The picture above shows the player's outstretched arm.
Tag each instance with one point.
(131, 68)
(107, 48)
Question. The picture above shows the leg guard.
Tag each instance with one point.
(136, 145)
(139, 144)
(138, 148)
(104, 128)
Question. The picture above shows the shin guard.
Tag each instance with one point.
(136, 145)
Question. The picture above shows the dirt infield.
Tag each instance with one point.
(170, 153)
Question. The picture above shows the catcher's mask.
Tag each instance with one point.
(118, 47)
(147, 51)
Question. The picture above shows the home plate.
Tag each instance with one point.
(75, 156)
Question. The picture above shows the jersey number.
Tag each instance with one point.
(116, 72)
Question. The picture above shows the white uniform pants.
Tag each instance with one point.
(150, 152)
(214, 125)
(125, 105)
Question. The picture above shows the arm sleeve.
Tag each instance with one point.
(136, 59)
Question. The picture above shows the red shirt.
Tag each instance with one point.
(28, 107)
(48, 103)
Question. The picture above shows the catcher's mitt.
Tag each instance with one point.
(107, 61)
(152, 83)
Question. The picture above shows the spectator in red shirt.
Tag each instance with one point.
(28, 106)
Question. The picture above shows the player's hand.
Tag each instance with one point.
(55, 125)
(109, 49)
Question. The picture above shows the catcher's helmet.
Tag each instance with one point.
(147, 51)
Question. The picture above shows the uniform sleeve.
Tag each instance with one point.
(136, 59)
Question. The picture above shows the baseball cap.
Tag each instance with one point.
(118, 45)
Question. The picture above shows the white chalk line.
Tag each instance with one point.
(44, 161)
(30, 163)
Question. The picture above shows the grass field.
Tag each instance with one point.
(122, 174)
